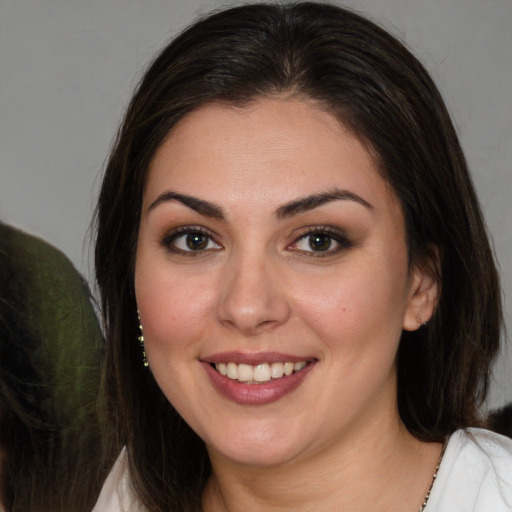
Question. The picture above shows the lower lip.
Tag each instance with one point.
(256, 394)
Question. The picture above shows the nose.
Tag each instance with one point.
(252, 299)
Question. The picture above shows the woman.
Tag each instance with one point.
(289, 238)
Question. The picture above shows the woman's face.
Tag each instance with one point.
(269, 244)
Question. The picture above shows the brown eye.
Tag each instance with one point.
(319, 242)
(189, 241)
(196, 241)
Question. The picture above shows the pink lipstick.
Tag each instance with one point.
(256, 379)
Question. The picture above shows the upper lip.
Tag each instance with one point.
(255, 358)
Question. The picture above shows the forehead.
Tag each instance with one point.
(275, 149)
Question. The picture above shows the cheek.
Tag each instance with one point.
(173, 308)
(173, 312)
(355, 310)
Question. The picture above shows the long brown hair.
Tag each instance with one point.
(380, 92)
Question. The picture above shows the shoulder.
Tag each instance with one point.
(117, 494)
(475, 474)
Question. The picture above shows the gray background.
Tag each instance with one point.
(68, 67)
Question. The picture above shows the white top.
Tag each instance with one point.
(117, 494)
(475, 476)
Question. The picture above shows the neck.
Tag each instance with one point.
(382, 468)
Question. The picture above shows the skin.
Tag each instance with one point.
(335, 442)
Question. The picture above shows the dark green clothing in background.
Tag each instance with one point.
(50, 365)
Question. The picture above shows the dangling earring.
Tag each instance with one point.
(141, 341)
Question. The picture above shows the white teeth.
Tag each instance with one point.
(232, 372)
(276, 370)
(288, 368)
(245, 373)
(260, 373)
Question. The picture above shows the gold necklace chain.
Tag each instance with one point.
(427, 496)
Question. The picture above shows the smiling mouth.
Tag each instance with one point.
(260, 373)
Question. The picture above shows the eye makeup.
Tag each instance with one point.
(189, 241)
(321, 241)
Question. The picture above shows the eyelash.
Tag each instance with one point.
(338, 236)
(168, 242)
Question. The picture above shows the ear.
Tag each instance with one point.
(422, 300)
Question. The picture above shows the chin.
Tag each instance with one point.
(259, 450)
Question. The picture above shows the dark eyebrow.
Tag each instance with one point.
(294, 207)
(199, 205)
(307, 203)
